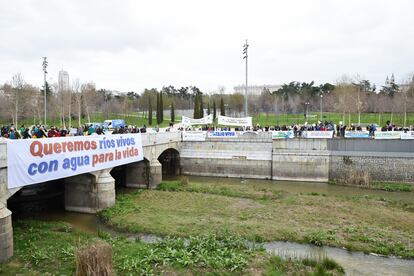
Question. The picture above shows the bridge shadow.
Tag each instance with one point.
(119, 174)
(37, 198)
(170, 162)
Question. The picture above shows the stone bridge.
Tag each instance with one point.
(92, 192)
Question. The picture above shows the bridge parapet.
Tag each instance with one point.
(149, 139)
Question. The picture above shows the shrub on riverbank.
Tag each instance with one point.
(376, 185)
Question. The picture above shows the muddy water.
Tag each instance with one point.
(355, 263)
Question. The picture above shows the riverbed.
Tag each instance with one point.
(355, 263)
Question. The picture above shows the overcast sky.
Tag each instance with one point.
(132, 45)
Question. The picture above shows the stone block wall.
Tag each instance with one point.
(392, 169)
(300, 160)
(227, 158)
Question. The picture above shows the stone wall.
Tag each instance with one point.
(300, 160)
(318, 160)
(381, 160)
(228, 157)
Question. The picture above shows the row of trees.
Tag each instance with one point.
(22, 101)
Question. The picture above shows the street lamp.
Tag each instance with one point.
(44, 65)
(245, 46)
(321, 106)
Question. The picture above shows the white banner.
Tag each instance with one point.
(31, 161)
(202, 121)
(317, 134)
(282, 134)
(357, 134)
(230, 121)
(221, 134)
(407, 135)
(194, 135)
(381, 135)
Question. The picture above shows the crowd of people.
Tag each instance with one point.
(39, 131)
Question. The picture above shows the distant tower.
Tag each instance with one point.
(63, 81)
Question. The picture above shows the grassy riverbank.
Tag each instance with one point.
(383, 186)
(258, 212)
(48, 248)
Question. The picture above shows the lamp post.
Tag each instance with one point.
(321, 107)
(44, 65)
(245, 46)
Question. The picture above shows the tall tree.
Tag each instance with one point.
(208, 108)
(161, 109)
(222, 109)
(172, 113)
(158, 109)
(214, 111)
(78, 98)
(196, 110)
(390, 87)
(16, 96)
(201, 108)
(149, 112)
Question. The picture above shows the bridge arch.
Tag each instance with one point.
(170, 162)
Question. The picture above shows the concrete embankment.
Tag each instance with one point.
(322, 160)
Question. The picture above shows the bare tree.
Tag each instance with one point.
(89, 98)
(15, 95)
(76, 88)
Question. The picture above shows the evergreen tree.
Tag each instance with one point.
(172, 113)
(208, 108)
(214, 111)
(196, 107)
(222, 110)
(201, 110)
(48, 91)
(149, 112)
(390, 87)
(161, 109)
(158, 109)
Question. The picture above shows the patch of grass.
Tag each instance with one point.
(308, 266)
(40, 249)
(124, 203)
(392, 187)
(378, 185)
(320, 238)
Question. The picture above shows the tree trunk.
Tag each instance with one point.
(87, 112)
(79, 111)
(70, 109)
(16, 110)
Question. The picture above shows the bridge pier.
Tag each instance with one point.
(144, 174)
(6, 233)
(90, 193)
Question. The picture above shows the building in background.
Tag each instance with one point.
(256, 89)
(63, 82)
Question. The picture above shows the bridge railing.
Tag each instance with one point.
(160, 138)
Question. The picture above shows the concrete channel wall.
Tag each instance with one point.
(257, 156)
(248, 156)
